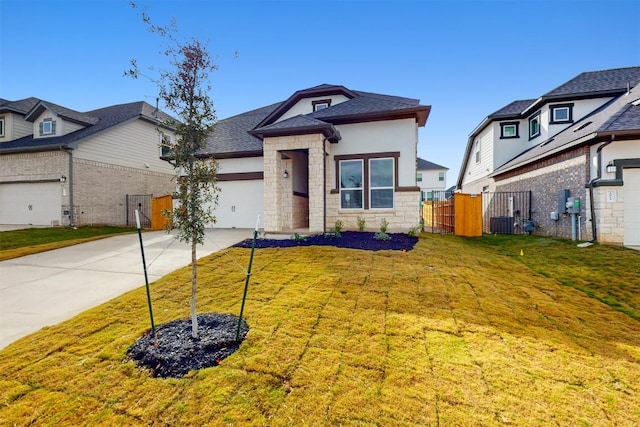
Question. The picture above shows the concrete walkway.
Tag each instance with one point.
(47, 288)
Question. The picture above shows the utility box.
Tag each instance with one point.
(554, 216)
(573, 205)
(563, 195)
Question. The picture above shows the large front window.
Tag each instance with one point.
(381, 183)
(351, 189)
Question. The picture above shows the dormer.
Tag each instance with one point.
(50, 120)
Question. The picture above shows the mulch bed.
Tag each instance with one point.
(173, 352)
(348, 239)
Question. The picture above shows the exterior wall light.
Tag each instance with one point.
(285, 174)
(611, 168)
(63, 178)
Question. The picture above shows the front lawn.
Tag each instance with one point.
(456, 332)
(28, 241)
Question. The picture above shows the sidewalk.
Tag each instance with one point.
(49, 287)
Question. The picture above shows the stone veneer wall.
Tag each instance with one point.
(278, 196)
(568, 171)
(100, 190)
(402, 218)
(609, 215)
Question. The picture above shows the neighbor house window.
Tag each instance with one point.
(477, 150)
(321, 104)
(1, 127)
(165, 144)
(562, 113)
(534, 125)
(381, 183)
(509, 130)
(419, 177)
(48, 127)
(440, 176)
(351, 189)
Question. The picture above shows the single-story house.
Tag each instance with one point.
(63, 167)
(576, 149)
(326, 153)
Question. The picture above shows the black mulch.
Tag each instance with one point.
(348, 239)
(173, 352)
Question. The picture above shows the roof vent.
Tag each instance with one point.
(582, 126)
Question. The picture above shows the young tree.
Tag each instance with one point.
(184, 89)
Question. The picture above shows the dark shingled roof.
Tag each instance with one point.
(231, 135)
(102, 119)
(512, 110)
(241, 134)
(427, 165)
(22, 106)
(592, 82)
(65, 113)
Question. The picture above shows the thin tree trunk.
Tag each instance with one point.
(194, 281)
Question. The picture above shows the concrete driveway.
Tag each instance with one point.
(47, 288)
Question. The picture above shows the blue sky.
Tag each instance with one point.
(464, 58)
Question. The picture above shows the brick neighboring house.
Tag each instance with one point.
(326, 153)
(584, 137)
(59, 166)
(431, 178)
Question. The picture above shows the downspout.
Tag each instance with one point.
(597, 178)
(70, 153)
(324, 185)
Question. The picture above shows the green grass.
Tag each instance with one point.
(30, 241)
(457, 332)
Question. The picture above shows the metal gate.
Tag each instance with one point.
(141, 202)
(507, 212)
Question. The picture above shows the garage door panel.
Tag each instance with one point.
(30, 203)
(631, 207)
(239, 204)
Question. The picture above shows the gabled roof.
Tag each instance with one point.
(102, 118)
(427, 165)
(619, 117)
(598, 82)
(298, 125)
(241, 134)
(22, 106)
(65, 113)
(512, 110)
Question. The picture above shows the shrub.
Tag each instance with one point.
(382, 235)
(414, 231)
(361, 223)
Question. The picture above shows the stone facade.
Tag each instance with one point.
(608, 204)
(569, 171)
(404, 216)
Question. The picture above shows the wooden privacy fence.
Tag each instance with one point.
(158, 205)
(460, 214)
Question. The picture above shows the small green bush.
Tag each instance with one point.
(361, 223)
(382, 235)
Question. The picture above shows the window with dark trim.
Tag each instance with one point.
(381, 183)
(47, 127)
(374, 176)
(1, 126)
(534, 125)
(351, 188)
(165, 144)
(509, 130)
(321, 104)
(560, 113)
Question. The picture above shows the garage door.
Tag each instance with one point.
(239, 203)
(30, 203)
(631, 188)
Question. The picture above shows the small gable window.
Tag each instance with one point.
(419, 177)
(321, 104)
(562, 113)
(534, 125)
(509, 130)
(48, 127)
(1, 126)
(440, 176)
(477, 150)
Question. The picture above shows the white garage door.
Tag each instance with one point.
(37, 203)
(239, 203)
(631, 188)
